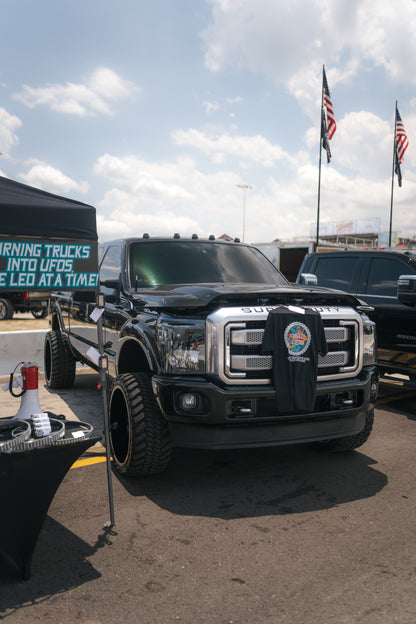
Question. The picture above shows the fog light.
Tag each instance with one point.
(188, 401)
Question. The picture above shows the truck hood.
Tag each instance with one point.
(207, 295)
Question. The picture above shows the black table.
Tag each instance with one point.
(28, 483)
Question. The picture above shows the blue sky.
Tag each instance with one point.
(154, 112)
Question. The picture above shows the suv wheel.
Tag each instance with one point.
(139, 435)
(40, 313)
(349, 443)
(6, 309)
(58, 361)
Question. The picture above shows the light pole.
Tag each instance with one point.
(245, 188)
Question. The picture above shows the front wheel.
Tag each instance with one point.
(349, 443)
(139, 435)
(58, 361)
(40, 313)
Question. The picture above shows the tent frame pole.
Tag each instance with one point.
(103, 365)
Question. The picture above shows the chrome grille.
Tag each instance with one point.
(244, 360)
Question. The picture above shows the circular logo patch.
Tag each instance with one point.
(297, 338)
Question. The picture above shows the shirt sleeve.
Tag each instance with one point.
(267, 345)
(323, 346)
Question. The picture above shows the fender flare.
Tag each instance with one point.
(140, 333)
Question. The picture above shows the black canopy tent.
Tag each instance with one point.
(45, 241)
(28, 211)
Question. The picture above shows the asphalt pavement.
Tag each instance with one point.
(260, 536)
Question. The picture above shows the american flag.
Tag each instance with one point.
(397, 168)
(324, 136)
(401, 137)
(331, 125)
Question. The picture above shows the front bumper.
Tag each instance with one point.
(246, 416)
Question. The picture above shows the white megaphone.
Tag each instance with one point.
(30, 398)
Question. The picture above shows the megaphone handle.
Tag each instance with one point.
(11, 383)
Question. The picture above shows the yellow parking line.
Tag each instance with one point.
(88, 461)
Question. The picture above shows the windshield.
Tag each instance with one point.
(157, 263)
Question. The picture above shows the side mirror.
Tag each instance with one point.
(308, 279)
(406, 290)
(114, 284)
(111, 290)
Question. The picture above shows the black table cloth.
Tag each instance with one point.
(28, 483)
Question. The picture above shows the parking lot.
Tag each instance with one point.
(274, 535)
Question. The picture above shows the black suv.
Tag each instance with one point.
(13, 301)
(372, 276)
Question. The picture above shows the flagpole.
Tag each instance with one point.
(320, 162)
(392, 174)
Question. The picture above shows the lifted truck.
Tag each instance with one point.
(183, 327)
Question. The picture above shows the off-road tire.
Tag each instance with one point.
(58, 361)
(6, 309)
(139, 435)
(349, 443)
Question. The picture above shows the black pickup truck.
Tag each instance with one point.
(373, 277)
(183, 327)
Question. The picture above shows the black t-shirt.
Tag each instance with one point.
(294, 338)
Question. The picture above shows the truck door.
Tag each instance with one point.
(396, 327)
(115, 313)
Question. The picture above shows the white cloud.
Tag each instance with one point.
(163, 198)
(288, 41)
(41, 175)
(153, 181)
(119, 215)
(271, 37)
(100, 90)
(257, 148)
(8, 126)
(211, 107)
(359, 136)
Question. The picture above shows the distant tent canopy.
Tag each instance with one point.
(28, 211)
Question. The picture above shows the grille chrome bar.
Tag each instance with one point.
(255, 336)
(264, 362)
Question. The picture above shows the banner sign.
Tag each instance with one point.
(343, 228)
(48, 264)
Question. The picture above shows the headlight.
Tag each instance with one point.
(369, 342)
(182, 346)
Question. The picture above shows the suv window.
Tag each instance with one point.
(336, 272)
(383, 276)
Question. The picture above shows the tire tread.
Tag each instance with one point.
(150, 446)
(60, 369)
(350, 443)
